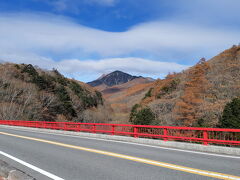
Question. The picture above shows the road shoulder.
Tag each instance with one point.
(7, 172)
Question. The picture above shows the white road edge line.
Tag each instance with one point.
(138, 144)
(52, 176)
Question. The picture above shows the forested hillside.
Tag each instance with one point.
(195, 97)
(29, 93)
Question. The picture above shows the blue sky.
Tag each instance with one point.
(86, 38)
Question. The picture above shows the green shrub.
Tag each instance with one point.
(76, 88)
(149, 93)
(168, 88)
(17, 66)
(201, 122)
(87, 100)
(40, 81)
(231, 115)
(134, 111)
(30, 70)
(60, 78)
(144, 116)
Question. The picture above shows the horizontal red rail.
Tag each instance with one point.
(190, 134)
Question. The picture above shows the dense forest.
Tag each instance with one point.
(29, 93)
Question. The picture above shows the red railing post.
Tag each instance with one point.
(205, 137)
(135, 131)
(165, 133)
(94, 128)
(65, 126)
(113, 129)
(79, 127)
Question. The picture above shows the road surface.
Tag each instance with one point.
(52, 156)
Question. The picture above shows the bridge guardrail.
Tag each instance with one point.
(190, 134)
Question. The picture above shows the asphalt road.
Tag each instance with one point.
(79, 158)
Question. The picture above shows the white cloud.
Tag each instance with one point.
(57, 35)
(87, 70)
(131, 64)
(32, 38)
(210, 12)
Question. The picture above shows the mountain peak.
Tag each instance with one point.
(117, 71)
(103, 75)
(114, 78)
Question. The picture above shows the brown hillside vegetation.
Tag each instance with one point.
(197, 96)
(187, 108)
(194, 97)
(29, 93)
(122, 97)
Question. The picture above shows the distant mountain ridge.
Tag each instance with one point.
(112, 79)
(122, 90)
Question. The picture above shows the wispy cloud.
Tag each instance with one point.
(53, 34)
(40, 38)
(132, 65)
(87, 70)
(213, 12)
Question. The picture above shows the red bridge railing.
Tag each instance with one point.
(190, 134)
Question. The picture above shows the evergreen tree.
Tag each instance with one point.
(66, 103)
(231, 115)
(142, 117)
(134, 112)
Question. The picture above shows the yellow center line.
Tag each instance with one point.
(132, 158)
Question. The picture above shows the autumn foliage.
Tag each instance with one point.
(188, 105)
(198, 95)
